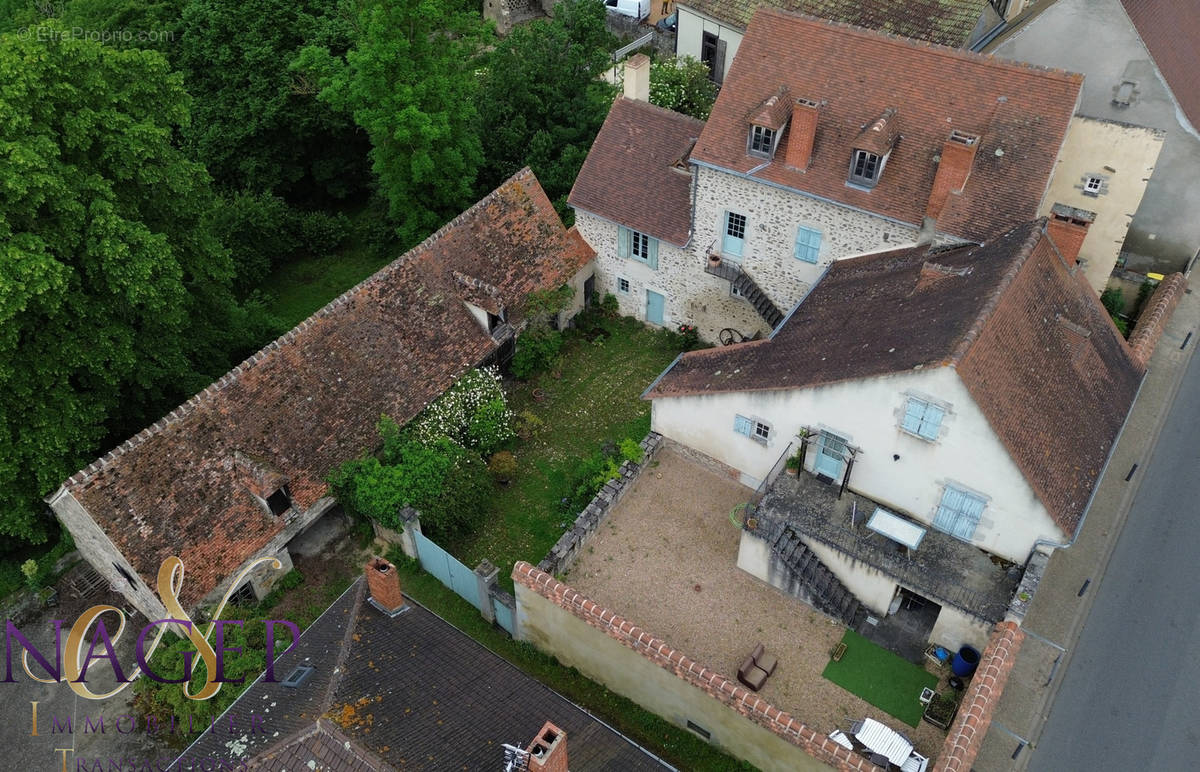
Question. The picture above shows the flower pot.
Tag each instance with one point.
(539, 395)
(714, 260)
(790, 472)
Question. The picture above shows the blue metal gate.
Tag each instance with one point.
(448, 570)
(504, 615)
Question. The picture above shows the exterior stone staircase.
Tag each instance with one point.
(815, 582)
(748, 288)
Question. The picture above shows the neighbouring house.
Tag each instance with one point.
(951, 409)
(238, 472)
(712, 30)
(826, 141)
(1142, 63)
(379, 682)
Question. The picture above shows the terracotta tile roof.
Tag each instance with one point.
(1032, 343)
(311, 399)
(633, 174)
(948, 22)
(1020, 112)
(423, 695)
(1171, 31)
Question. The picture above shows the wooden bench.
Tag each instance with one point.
(756, 668)
(837, 651)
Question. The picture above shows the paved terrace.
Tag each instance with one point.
(666, 559)
(943, 568)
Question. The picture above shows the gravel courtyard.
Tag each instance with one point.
(666, 559)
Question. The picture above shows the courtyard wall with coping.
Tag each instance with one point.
(563, 554)
(646, 669)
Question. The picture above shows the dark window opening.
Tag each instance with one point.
(126, 575)
(699, 730)
(494, 321)
(244, 596)
(279, 502)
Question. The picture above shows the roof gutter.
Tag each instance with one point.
(989, 36)
(662, 375)
(1103, 471)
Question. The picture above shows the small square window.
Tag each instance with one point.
(762, 140)
(279, 502)
(761, 431)
(924, 419)
(734, 291)
(1093, 185)
(623, 285)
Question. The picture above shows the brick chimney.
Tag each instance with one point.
(803, 134)
(637, 78)
(1067, 228)
(958, 153)
(384, 585)
(548, 751)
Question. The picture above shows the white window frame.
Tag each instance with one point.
(762, 432)
(957, 517)
(621, 280)
(919, 431)
(755, 428)
(862, 179)
(762, 141)
(728, 224)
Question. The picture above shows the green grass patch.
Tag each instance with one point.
(306, 284)
(888, 682)
(595, 400)
(677, 746)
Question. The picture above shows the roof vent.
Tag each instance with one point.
(299, 675)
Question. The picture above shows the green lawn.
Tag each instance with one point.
(303, 286)
(597, 400)
(677, 746)
(888, 682)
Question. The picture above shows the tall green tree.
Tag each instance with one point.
(256, 125)
(541, 99)
(114, 293)
(409, 82)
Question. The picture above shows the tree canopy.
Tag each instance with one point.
(408, 82)
(114, 294)
(541, 100)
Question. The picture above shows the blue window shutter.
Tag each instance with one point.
(808, 244)
(624, 239)
(932, 422)
(742, 425)
(652, 253)
(913, 411)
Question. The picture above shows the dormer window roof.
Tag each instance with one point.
(766, 122)
(872, 147)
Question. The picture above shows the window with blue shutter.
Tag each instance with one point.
(958, 513)
(743, 425)
(637, 246)
(734, 241)
(922, 418)
(808, 244)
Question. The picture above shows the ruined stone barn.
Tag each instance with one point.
(238, 472)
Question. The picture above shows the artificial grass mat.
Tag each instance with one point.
(888, 682)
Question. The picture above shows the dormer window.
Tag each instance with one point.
(762, 141)
(865, 168)
(279, 501)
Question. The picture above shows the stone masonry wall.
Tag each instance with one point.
(772, 218)
(1154, 317)
(975, 715)
(562, 555)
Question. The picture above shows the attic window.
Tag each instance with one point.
(865, 168)
(762, 141)
(298, 676)
(243, 597)
(279, 501)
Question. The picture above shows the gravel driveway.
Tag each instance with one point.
(666, 558)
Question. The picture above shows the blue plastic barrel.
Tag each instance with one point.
(965, 662)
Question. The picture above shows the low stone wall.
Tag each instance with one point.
(562, 555)
(975, 716)
(647, 670)
(1154, 317)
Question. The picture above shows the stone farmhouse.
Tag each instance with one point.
(951, 408)
(806, 160)
(712, 30)
(238, 471)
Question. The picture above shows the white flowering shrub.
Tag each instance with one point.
(473, 413)
(682, 84)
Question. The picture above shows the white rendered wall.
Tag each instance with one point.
(867, 412)
(690, 31)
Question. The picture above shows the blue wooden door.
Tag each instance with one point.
(655, 303)
(831, 455)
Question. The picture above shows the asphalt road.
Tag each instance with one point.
(1129, 697)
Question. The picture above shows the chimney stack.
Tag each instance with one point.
(548, 751)
(958, 154)
(803, 134)
(1067, 228)
(384, 585)
(637, 78)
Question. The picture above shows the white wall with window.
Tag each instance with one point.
(939, 480)
(690, 39)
